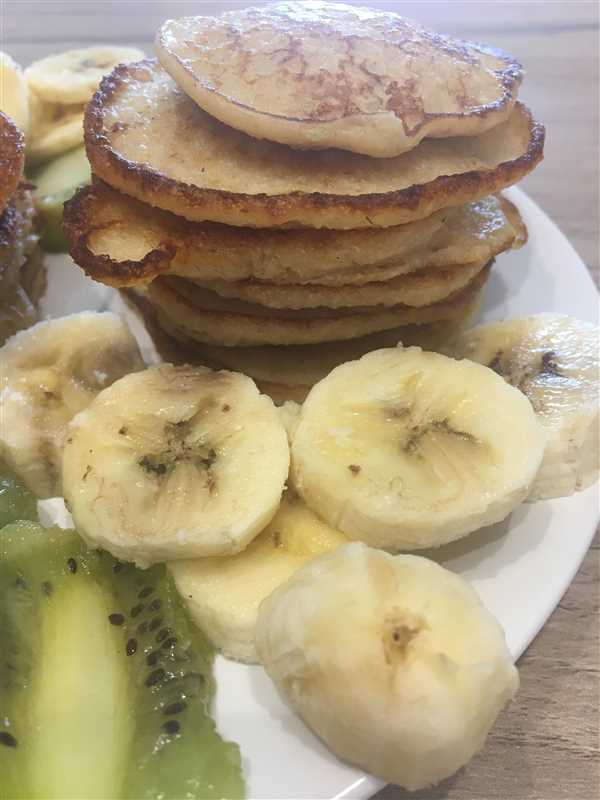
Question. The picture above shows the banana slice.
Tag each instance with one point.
(13, 92)
(289, 411)
(49, 373)
(223, 594)
(553, 359)
(59, 129)
(406, 450)
(175, 462)
(73, 76)
(392, 660)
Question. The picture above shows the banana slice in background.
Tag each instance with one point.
(392, 660)
(223, 594)
(59, 130)
(553, 359)
(175, 462)
(13, 92)
(48, 374)
(405, 449)
(73, 76)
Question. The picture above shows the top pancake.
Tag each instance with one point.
(12, 159)
(145, 137)
(317, 75)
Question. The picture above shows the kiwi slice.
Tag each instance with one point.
(105, 684)
(16, 502)
(56, 182)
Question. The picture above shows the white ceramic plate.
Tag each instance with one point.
(520, 567)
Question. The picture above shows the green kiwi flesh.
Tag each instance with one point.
(16, 502)
(105, 684)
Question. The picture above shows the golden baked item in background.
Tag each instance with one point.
(149, 140)
(22, 272)
(12, 159)
(318, 75)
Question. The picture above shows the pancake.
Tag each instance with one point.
(318, 75)
(12, 159)
(204, 317)
(17, 236)
(416, 289)
(122, 242)
(289, 372)
(148, 139)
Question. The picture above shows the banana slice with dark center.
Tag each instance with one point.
(553, 360)
(175, 462)
(405, 449)
(48, 373)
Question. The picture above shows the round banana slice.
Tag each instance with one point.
(73, 76)
(223, 594)
(13, 92)
(553, 359)
(392, 660)
(48, 374)
(61, 130)
(175, 462)
(405, 449)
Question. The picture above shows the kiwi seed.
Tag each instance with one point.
(175, 708)
(172, 726)
(162, 634)
(7, 739)
(155, 677)
(152, 658)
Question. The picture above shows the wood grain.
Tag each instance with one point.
(545, 747)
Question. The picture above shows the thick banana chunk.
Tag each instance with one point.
(13, 92)
(405, 449)
(48, 374)
(223, 594)
(73, 76)
(392, 660)
(174, 463)
(553, 359)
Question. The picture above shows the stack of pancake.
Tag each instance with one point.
(22, 273)
(291, 186)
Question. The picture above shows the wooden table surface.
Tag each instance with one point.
(545, 747)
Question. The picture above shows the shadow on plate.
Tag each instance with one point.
(488, 550)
